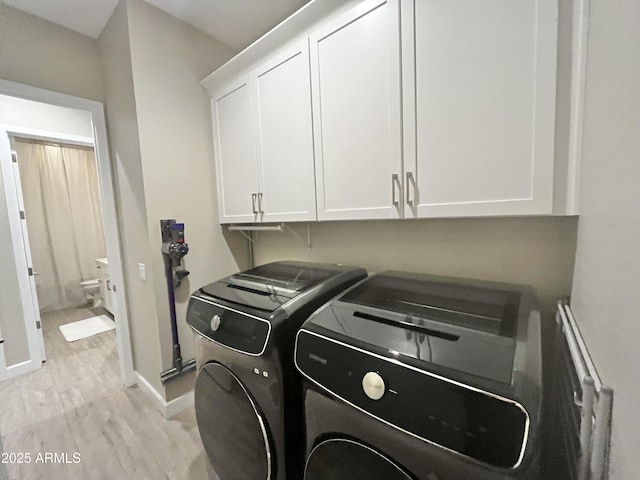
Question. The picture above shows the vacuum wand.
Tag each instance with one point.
(174, 248)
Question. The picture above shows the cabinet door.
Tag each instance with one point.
(282, 98)
(483, 132)
(236, 163)
(355, 72)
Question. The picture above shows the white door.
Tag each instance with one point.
(236, 160)
(21, 349)
(282, 98)
(355, 72)
(27, 248)
(485, 90)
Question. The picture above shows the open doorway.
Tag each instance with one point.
(58, 195)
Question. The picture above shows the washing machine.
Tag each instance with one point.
(247, 394)
(418, 377)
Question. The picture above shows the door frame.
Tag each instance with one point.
(107, 195)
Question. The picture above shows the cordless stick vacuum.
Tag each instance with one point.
(173, 249)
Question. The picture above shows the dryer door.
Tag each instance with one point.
(232, 428)
(342, 459)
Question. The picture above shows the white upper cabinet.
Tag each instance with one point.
(236, 160)
(355, 73)
(479, 106)
(282, 96)
(404, 109)
(264, 142)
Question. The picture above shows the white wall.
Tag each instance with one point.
(161, 142)
(605, 295)
(534, 251)
(169, 58)
(38, 53)
(18, 112)
(129, 184)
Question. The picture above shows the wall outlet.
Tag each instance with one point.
(142, 272)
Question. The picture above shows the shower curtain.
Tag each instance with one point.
(64, 218)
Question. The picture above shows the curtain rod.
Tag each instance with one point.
(52, 143)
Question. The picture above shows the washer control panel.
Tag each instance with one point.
(228, 327)
(462, 418)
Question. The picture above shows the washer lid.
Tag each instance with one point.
(342, 459)
(461, 325)
(290, 276)
(268, 287)
(478, 306)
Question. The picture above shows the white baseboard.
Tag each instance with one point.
(179, 404)
(168, 409)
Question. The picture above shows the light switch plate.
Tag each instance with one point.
(142, 272)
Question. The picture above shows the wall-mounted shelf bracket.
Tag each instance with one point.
(246, 231)
(299, 237)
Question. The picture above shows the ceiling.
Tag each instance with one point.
(85, 16)
(235, 22)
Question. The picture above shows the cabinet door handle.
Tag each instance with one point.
(408, 188)
(260, 210)
(109, 285)
(253, 203)
(394, 180)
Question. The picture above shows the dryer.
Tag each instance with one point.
(247, 395)
(416, 377)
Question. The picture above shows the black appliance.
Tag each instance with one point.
(419, 377)
(247, 394)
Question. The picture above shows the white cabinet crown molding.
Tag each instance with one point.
(296, 26)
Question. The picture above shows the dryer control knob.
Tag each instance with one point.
(215, 322)
(373, 385)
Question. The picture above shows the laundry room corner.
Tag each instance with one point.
(319, 239)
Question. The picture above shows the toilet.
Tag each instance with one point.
(92, 291)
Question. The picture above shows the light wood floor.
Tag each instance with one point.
(76, 403)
